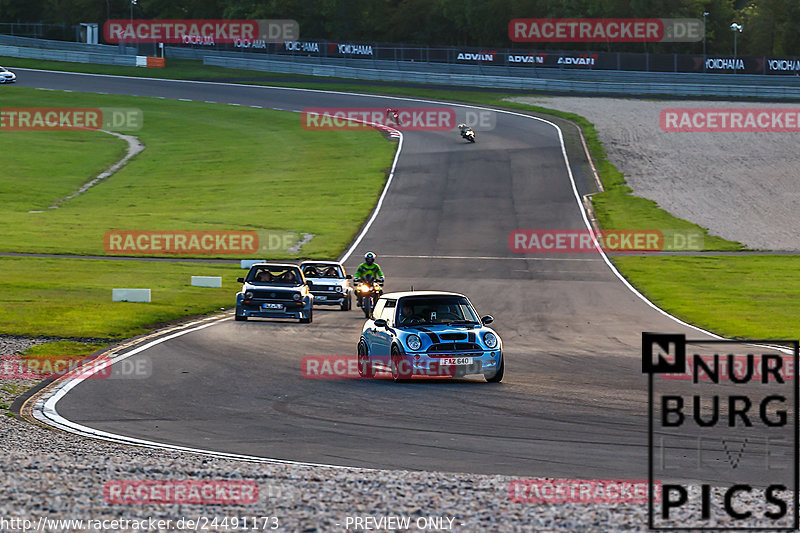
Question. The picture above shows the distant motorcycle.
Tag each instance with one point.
(394, 114)
(368, 291)
(467, 133)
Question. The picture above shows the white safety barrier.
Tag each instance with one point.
(130, 295)
(247, 263)
(206, 281)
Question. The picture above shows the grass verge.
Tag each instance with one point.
(205, 167)
(72, 297)
(616, 208)
(63, 348)
(751, 296)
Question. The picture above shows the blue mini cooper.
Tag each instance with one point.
(429, 333)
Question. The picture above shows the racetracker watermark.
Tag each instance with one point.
(73, 367)
(347, 367)
(201, 242)
(70, 118)
(584, 30)
(578, 491)
(403, 118)
(728, 442)
(723, 120)
(359, 118)
(180, 492)
(583, 241)
(200, 31)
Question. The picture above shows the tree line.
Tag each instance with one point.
(769, 25)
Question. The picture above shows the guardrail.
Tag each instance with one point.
(617, 76)
(48, 44)
(578, 81)
(509, 82)
(67, 55)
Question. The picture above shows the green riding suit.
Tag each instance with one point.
(374, 270)
(365, 269)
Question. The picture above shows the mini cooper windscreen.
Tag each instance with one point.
(430, 310)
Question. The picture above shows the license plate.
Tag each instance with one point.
(454, 361)
(320, 297)
(272, 306)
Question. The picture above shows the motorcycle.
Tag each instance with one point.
(368, 291)
(395, 115)
(468, 134)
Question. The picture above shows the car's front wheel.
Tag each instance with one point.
(365, 369)
(497, 377)
(401, 371)
(239, 318)
(309, 318)
(347, 304)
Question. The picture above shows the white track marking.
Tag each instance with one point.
(490, 258)
(135, 147)
(45, 408)
(378, 206)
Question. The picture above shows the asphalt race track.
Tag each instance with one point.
(573, 402)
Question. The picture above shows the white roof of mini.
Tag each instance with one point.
(420, 293)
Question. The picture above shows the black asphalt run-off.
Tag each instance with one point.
(574, 399)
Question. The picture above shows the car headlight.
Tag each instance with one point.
(490, 339)
(248, 295)
(413, 342)
(296, 296)
(338, 288)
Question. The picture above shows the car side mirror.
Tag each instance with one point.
(240, 280)
(380, 323)
(349, 276)
(486, 320)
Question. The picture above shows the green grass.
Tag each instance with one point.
(616, 208)
(205, 167)
(752, 296)
(77, 156)
(63, 348)
(72, 297)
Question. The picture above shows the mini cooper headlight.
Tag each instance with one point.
(296, 296)
(413, 342)
(248, 295)
(490, 339)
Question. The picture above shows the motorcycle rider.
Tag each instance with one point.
(464, 129)
(368, 268)
(394, 114)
